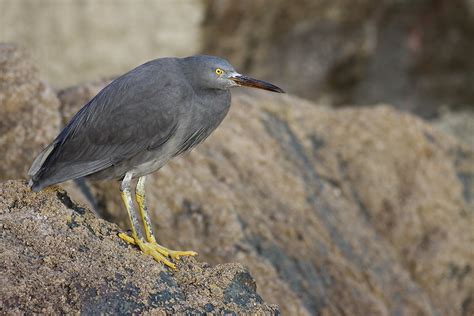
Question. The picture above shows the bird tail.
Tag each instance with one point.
(34, 174)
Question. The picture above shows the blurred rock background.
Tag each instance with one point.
(356, 211)
(415, 55)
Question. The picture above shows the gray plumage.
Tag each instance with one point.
(141, 120)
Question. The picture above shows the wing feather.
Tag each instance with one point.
(138, 111)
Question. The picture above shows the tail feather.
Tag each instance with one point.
(34, 173)
(35, 186)
(39, 160)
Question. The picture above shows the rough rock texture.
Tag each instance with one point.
(416, 55)
(29, 117)
(336, 212)
(57, 258)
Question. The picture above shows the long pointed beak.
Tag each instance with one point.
(242, 80)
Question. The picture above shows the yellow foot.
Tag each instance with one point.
(158, 252)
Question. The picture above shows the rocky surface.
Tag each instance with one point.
(360, 212)
(29, 116)
(334, 212)
(56, 257)
(415, 55)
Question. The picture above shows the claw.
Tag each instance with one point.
(174, 254)
(158, 252)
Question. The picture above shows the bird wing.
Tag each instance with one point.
(136, 112)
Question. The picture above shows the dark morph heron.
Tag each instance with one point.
(136, 124)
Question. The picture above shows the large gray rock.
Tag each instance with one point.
(58, 258)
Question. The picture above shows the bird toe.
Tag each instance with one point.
(157, 251)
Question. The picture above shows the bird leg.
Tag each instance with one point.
(127, 200)
(142, 204)
(163, 252)
(140, 197)
(136, 238)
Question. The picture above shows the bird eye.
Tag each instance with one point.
(219, 71)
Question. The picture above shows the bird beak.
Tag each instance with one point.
(242, 80)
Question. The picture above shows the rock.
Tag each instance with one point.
(28, 111)
(56, 257)
(415, 55)
(357, 211)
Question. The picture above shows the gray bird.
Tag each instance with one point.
(136, 124)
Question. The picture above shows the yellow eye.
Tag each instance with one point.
(219, 71)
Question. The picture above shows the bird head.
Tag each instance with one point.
(217, 73)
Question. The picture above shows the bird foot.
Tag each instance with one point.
(158, 252)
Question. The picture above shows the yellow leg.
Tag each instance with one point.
(136, 238)
(141, 200)
(142, 205)
(150, 247)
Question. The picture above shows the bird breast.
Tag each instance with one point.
(204, 116)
